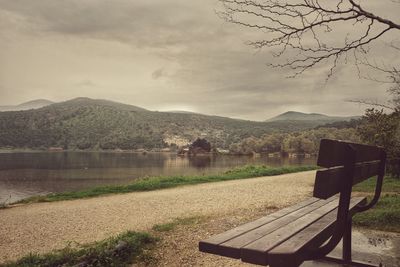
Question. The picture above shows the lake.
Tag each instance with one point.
(24, 174)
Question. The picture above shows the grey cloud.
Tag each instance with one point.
(157, 73)
(142, 23)
(203, 61)
(86, 83)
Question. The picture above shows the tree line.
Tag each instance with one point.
(302, 142)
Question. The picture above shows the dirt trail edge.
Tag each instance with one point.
(42, 227)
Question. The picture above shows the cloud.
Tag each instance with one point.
(86, 83)
(157, 73)
(157, 53)
(141, 23)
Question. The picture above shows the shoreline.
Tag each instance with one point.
(158, 150)
(160, 182)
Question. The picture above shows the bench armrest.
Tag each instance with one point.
(378, 186)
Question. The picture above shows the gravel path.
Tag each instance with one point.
(42, 227)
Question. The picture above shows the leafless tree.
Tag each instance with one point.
(306, 33)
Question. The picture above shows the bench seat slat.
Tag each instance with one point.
(257, 252)
(290, 252)
(211, 245)
(234, 245)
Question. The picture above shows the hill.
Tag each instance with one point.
(181, 111)
(34, 104)
(299, 116)
(85, 123)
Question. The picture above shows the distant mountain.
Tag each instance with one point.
(80, 102)
(181, 111)
(34, 104)
(299, 116)
(84, 123)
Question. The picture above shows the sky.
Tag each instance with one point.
(162, 55)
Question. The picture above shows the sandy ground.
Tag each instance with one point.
(43, 227)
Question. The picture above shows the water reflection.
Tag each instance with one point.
(27, 174)
(201, 162)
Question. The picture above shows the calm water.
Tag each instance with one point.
(27, 174)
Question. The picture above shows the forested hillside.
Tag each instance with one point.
(84, 123)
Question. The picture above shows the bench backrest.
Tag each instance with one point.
(366, 161)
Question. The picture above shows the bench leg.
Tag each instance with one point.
(346, 253)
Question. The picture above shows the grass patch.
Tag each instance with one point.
(390, 184)
(155, 183)
(384, 216)
(178, 221)
(3, 205)
(121, 250)
(165, 227)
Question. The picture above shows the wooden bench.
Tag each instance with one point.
(311, 229)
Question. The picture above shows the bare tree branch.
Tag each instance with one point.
(302, 30)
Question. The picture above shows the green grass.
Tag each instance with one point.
(390, 184)
(385, 215)
(155, 183)
(178, 221)
(121, 250)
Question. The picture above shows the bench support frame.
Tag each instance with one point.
(343, 226)
(347, 242)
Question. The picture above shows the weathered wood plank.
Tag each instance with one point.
(292, 251)
(211, 245)
(332, 153)
(234, 245)
(328, 182)
(256, 252)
